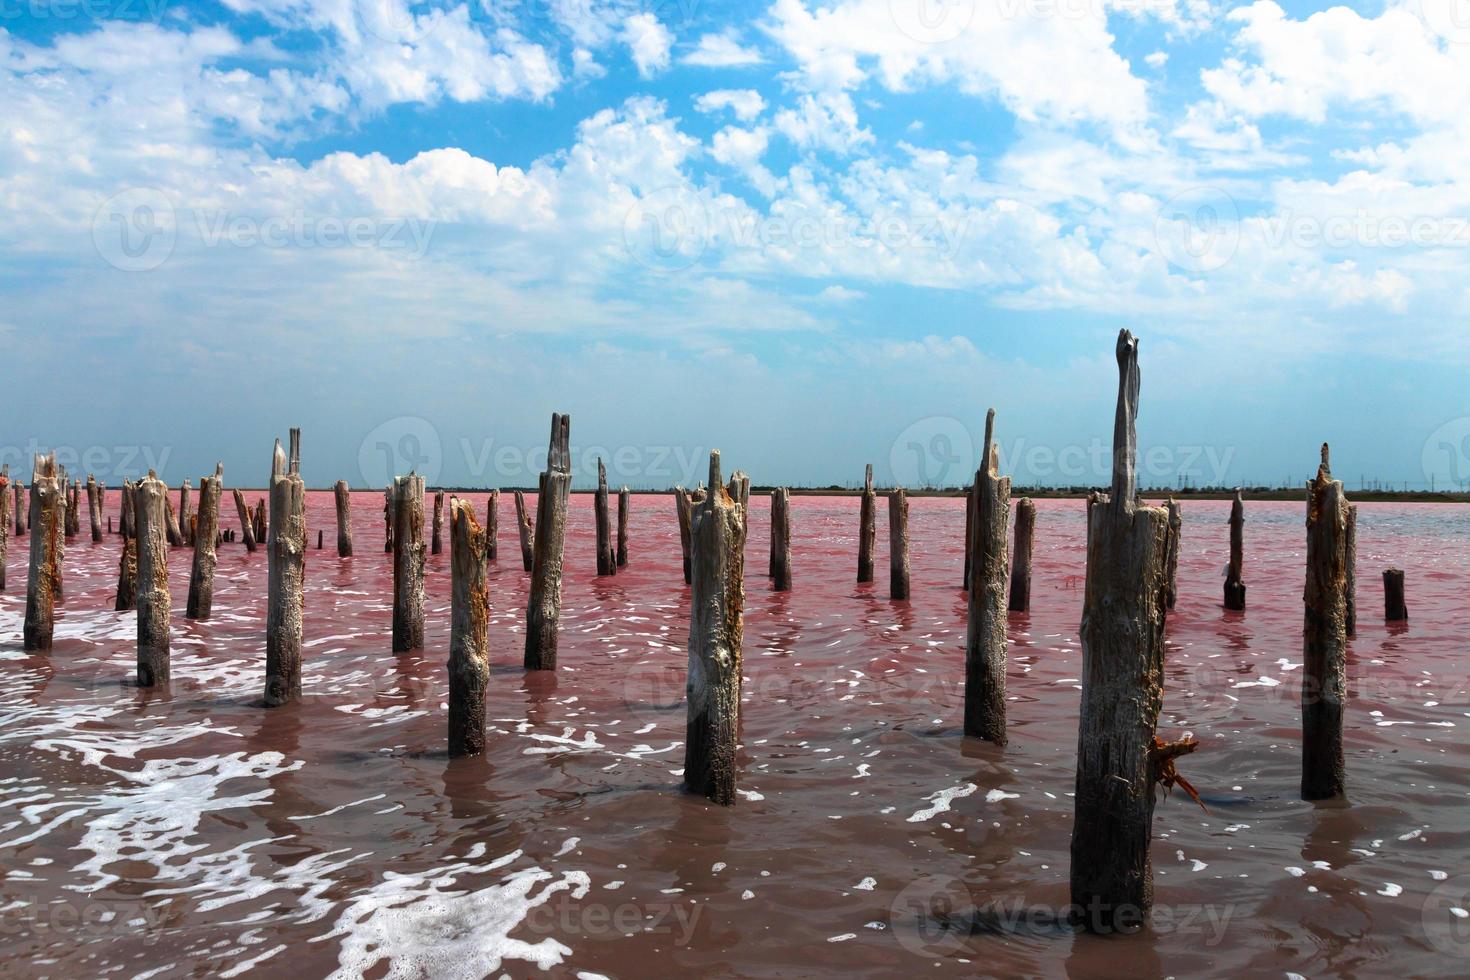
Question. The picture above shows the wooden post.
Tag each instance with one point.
(543, 611)
(1394, 608)
(4, 520)
(1123, 614)
(127, 568)
(408, 563)
(1020, 598)
(186, 513)
(388, 520)
(684, 508)
(206, 531)
(47, 523)
(1324, 668)
(171, 531)
(969, 534)
(150, 518)
(898, 544)
(624, 505)
(20, 510)
(1234, 572)
(739, 488)
(1171, 552)
(436, 543)
(781, 539)
(523, 526)
(607, 558)
(716, 630)
(492, 526)
(344, 518)
(286, 554)
(247, 534)
(1351, 587)
(867, 527)
(469, 621)
(260, 526)
(73, 508)
(94, 507)
(985, 642)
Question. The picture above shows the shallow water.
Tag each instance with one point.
(193, 832)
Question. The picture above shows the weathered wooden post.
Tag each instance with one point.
(781, 539)
(1234, 572)
(261, 527)
(343, 497)
(526, 531)
(436, 542)
(150, 518)
(206, 532)
(1351, 588)
(127, 568)
(1171, 552)
(186, 513)
(171, 531)
(247, 533)
(684, 508)
(624, 501)
(985, 642)
(492, 526)
(607, 558)
(47, 523)
(4, 519)
(73, 508)
(969, 533)
(1324, 668)
(408, 563)
(1119, 757)
(94, 506)
(716, 634)
(543, 610)
(469, 621)
(867, 527)
(1020, 598)
(286, 557)
(388, 520)
(898, 544)
(739, 489)
(1395, 610)
(20, 511)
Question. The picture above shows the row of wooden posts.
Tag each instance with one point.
(1132, 559)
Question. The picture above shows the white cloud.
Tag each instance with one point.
(824, 122)
(742, 150)
(721, 51)
(746, 104)
(648, 42)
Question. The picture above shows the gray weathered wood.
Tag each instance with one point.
(1123, 616)
(624, 506)
(20, 511)
(1172, 544)
(781, 539)
(1395, 610)
(388, 520)
(186, 513)
(127, 567)
(716, 636)
(867, 527)
(1351, 586)
(342, 496)
(985, 641)
(73, 509)
(436, 542)
(1324, 641)
(247, 532)
(898, 544)
(469, 621)
(526, 532)
(47, 524)
(150, 516)
(683, 509)
(408, 563)
(172, 534)
(285, 547)
(969, 534)
(4, 520)
(607, 556)
(1235, 571)
(94, 507)
(206, 534)
(543, 610)
(1025, 541)
(492, 526)
(260, 527)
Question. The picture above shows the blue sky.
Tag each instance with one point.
(810, 233)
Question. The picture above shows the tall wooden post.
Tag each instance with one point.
(20, 511)
(607, 558)
(4, 520)
(150, 509)
(898, 544)
(469, 621)
(127, 567)
(1395, 610)
(492, 526)
(624, 501)
(171, 531)
(1171, 552)
(969, 534)
(343, 497)
(1123, 614)
(526, 532)
(543, 611)
(186, 513)
(94, 507)
(247, 533)
(388, 520)
(985, 642)
(867, 527)
(716, 636)
(408, 563)
(286, 554)
(684, 509)
(1351, 587)
(1020, 598)
(47, 524)
(781, 539)
(1234, 572)
(436, 543)
(206, 531)
(73, 508)
(1324, 668)
(260, 526)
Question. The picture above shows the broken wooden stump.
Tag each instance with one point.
(607, 557)
(94, 507)
(985, 641)
(73, 509)
(469, 621)
(543, 610)
(259, 525)
(1025, 537)
(47, 523)
(624, 506)
(150, 518)
(1123, 615)
(388, 520)
(127, 568)
(781, 540)
(1351, 586)
(1324, 668)
(186, 513)
(206, 534)
(684, 508)
(716, 634)
(1394, 608)
(286, 558)
(867, 527)
(492, 526)
(436, 541)
(343, 499)
(1234, 572)
(969, 533)
(898, 544)
(408, 563)
(526, 531)
(174, 536)
(20, 511)
(247, 533)
(1171, 552)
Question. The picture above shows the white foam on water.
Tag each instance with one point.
(941, 800)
